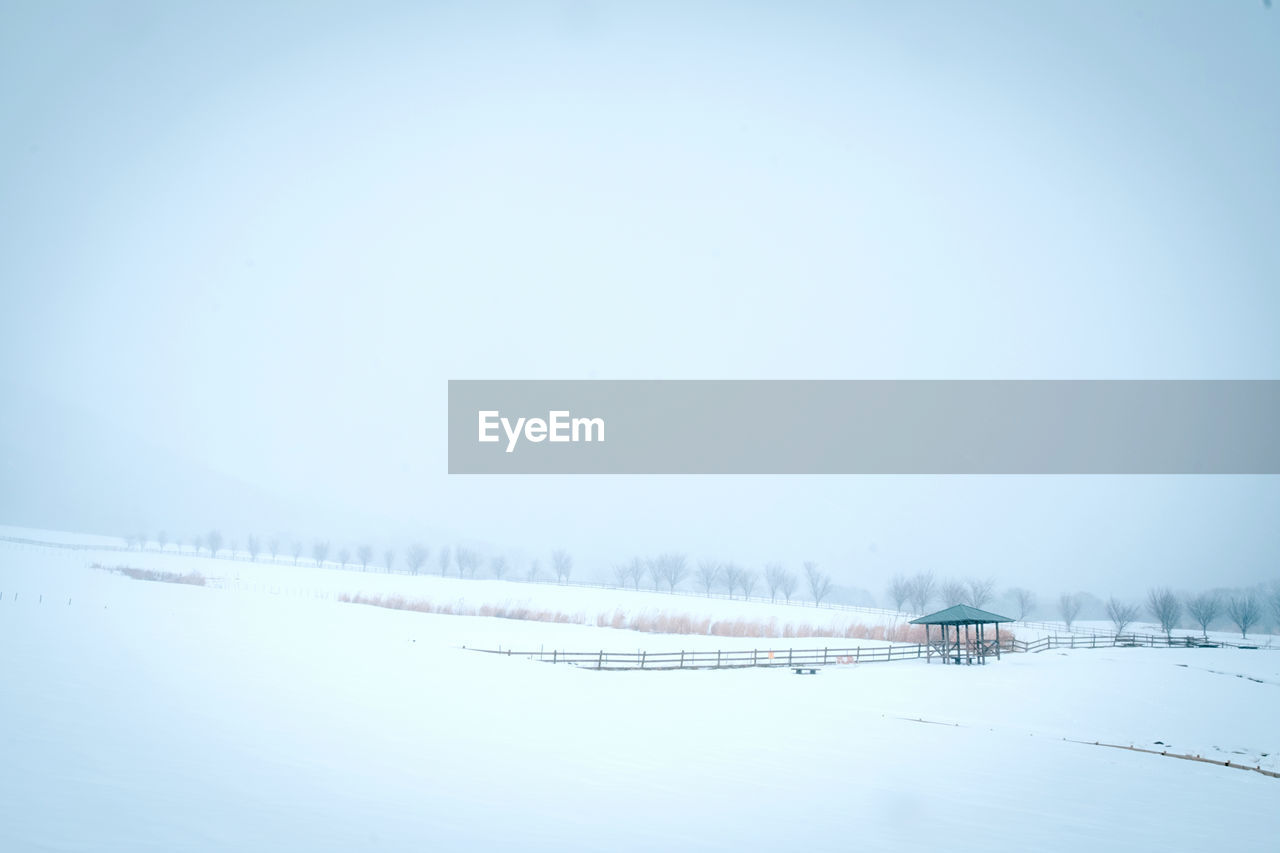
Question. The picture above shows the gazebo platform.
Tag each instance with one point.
(950, 646)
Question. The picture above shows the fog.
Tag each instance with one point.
(246, 246)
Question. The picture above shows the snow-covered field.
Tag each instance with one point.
(581, 603)
(266, 715)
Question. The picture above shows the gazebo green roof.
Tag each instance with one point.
(960, 614)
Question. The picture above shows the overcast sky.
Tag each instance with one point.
(250, 243)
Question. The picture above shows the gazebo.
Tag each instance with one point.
(950, 646)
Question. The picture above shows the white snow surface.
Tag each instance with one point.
(269, 716)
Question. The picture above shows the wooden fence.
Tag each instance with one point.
(747, 658)
(724, 658)
(1154, 641)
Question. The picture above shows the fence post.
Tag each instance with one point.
(642, 654)
(717, 658)
(600, 660)
(824, 656)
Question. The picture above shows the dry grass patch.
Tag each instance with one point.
(656, 621)
(497, 611)
(191, 578)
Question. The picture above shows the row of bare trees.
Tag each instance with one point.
(465, 561)
(922, 589)
(1243, 609)
(669, 570)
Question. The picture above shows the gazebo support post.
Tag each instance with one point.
(997, 641)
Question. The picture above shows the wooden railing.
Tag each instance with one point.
(725, 658)
(722, 658)
(746, 658)
(1156, 641)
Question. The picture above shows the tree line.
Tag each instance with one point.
(665, 571)
(1245, 609)
(917, 593)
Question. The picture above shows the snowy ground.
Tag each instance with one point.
(153, 716)
(307, 581)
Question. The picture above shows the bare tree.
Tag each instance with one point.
(980, 591)
(296, 550)
(533, 572)
(443, 558)
(675, 568)
(253, 546)
(213, 541)
(708, 574)
(1121, 615)
(1165, 608)
(1024, 599)
(365, 555)
(197, 542)
(747, 580)
(320, 552)
(621, 573)
(923, 590)
(233, 548)
(344, 557)
(654, 567)
(498, 565)
(468, 561)
(952, 592)
(1204, 608)
(732, 576)
(819, 582)
(773, 579)
(899, 590)
(273, 547)
(788, 584)
(562, 564)
(635, 571)
(162, 539)
(1068, 608)
(1244, 610)
(416, 557)
(388, 558)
